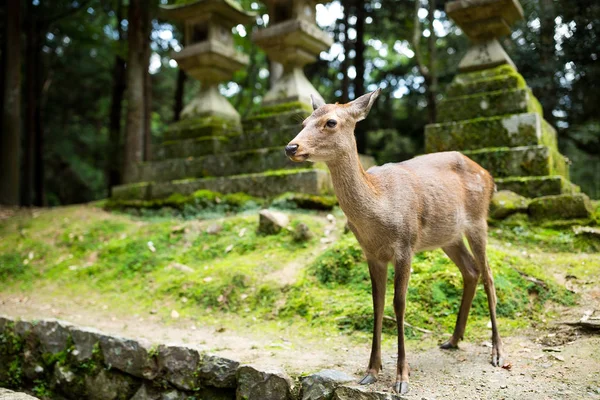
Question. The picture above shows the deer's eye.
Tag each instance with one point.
(331, 123)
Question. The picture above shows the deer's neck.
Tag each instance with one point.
(355, 190)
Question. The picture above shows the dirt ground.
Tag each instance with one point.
(560, 363)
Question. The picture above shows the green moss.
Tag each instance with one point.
(500, 102)
(202, 127)
(505, 203)
(535, 186)
(565, 206)
(472, 84)
(305, 201)
(268, 111)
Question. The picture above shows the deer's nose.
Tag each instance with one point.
(291, 149)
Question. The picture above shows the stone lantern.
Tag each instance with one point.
(484, 21)
(294, 40)
(209, 54)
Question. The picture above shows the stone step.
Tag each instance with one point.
(563, 206)
(265, 184)
(504, 162)
(504, 131)
(536, 186)
(255, 138)
(225, 164)
(500, 102)
(472, 83)
(202, 127)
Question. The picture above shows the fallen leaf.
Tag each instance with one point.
(507, 366)
(174, 314)
(228, 248)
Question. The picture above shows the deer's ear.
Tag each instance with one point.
(316, 101)
(360, 107)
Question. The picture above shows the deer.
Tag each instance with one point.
(399, 209)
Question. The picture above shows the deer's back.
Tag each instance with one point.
(436, 196)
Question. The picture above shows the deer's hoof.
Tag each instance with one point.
(448, 345)
(400, 387)
(497, 359)
(368, 379)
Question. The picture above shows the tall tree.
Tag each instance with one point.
(428, 71)
(359, 64)
(179, 90)
(137, 66)
(347, 47)
(10, 140)
(113, 168)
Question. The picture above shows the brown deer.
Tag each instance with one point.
(398, 209)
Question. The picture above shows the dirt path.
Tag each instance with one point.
(571, 372)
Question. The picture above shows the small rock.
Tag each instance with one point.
(262, 385)
(181, 267)
(505, 203)
(302, 233)
(179, 365)
(129, 356)
(322, 384)
(503, 386)
(271, 222)
(218, 372)
(558, 357)
(228, 248)
(331, 218)
(174, 314)
(214, 229)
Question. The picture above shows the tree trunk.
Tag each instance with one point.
(547, 93)
(10, 141)
(347, 47)
(113, 168)
(136, 65)
(147, 113)
(359, 64)
(432, 79)
(179, 91)
(27, 180)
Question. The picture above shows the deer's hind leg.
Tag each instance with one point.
(477, 237)
(463, 259)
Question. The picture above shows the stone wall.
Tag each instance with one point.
(56, 360)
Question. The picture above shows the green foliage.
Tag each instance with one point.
(339, 265)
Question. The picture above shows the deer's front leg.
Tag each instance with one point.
(401, 277)
(378, 272)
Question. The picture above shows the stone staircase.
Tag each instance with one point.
(492, 117)
(220, 155)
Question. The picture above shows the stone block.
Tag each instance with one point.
(504, 131)
(511, 79)
(501, 102)
(65, 381)
(267, 184)
(139, 191)
(520, 161)
(566, 206)
(202, 127)
(110, 385)
(195, 147)
(226, 164)
(129, 356)
(535, 186)
(53, 335)
(320, 386)
(218, 372)
(84, 341)
(262, 385)
(361, 393)
(147, 392)
(6, 394)
(272, 222)
(179, 365)
(505, 203)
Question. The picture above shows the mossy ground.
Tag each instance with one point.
(131, 262)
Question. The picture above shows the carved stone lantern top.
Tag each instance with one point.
(483, 19)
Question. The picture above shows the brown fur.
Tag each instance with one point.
(396, 210)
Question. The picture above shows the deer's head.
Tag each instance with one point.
(328, 133)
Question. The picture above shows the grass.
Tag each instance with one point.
(231, 277)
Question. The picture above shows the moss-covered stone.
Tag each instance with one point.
(202, 127)
(520, 161)
(535, 186)
(505, 203)
(265, 184)
(226, 164)
(460, 86)
(139, 191)
(503, 131)
(500, 102)
(283, 108)
(490, 73)
(305, 201)
(564, 206)
(195, 147)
